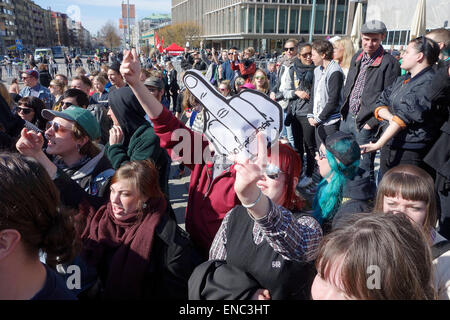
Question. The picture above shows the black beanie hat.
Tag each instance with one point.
(346, 154)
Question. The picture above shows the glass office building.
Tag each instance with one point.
(263, 24)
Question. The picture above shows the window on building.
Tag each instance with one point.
(305, 20)
(283, 21)
(403, 39)
(251, 20)
(320, 18)
(258, 20)
(331, 16)
(293, 23)
(341, 16)
(396, 37)
(243, 18)
(270, 20)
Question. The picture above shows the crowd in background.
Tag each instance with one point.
(361, 180)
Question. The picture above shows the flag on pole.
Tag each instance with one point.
(157, 43)
(162, 42)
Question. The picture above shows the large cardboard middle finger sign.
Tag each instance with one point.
(231, 124)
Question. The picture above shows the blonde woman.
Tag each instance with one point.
(343, 53)
(56, 89)
(260, 81)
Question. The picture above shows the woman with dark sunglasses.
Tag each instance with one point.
(406, 111)
(29, 109)
(266, 244)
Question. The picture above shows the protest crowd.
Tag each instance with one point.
(352, 191)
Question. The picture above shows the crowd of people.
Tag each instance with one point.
(85, 166)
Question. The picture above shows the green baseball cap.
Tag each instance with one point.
(81, 116)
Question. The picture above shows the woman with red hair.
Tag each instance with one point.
(265, 247)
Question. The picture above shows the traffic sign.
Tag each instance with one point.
(18, 42)
(19, 47)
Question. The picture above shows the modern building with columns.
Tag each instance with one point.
(264, 24)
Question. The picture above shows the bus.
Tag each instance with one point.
(60, 52)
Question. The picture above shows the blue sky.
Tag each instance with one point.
(95, 13)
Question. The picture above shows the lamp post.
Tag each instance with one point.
(311, 25)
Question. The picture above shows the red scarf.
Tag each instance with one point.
(126, 244)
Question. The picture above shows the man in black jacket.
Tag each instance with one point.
(372, 70)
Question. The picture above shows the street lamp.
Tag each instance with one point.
(311, 25)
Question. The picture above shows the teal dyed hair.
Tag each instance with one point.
(328, 197)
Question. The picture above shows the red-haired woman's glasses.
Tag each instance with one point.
(272, 171)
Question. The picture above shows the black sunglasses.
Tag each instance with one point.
(24, 110)
(304, 55)
(67, 104)
(289, 49)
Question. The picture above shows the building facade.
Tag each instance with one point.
(398, 15)
(31, 26)
(8, 27)
(264, 24)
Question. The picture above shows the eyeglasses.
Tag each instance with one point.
(67, 104)
(321, 155)
(223, 89)
(24, 110)
(272, 171)
(289, 49)
(306, 54)
(57, 127)
(25, 78)
(230, 53)
(260, 77)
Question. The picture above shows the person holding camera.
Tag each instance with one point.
(246, 66)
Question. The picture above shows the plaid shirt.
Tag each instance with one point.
(295, 239)
(355, 96)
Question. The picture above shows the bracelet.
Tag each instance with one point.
(251, 205)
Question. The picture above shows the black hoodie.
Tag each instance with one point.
(140, 141)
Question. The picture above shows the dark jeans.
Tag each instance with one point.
(363, 136)
(304, 141)
(443, 189)
(390, 157)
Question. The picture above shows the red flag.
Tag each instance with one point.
(162, 42)
(157, 44)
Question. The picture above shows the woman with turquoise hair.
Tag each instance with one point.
(338, 161)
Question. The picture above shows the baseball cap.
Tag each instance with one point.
(32, 73)
(346, 152)
(153, 82)
(373, 26)
(81, 116)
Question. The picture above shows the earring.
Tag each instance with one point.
(78, 148)
(144, 206)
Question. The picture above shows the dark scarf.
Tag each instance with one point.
(128, 111)
(131, 242)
